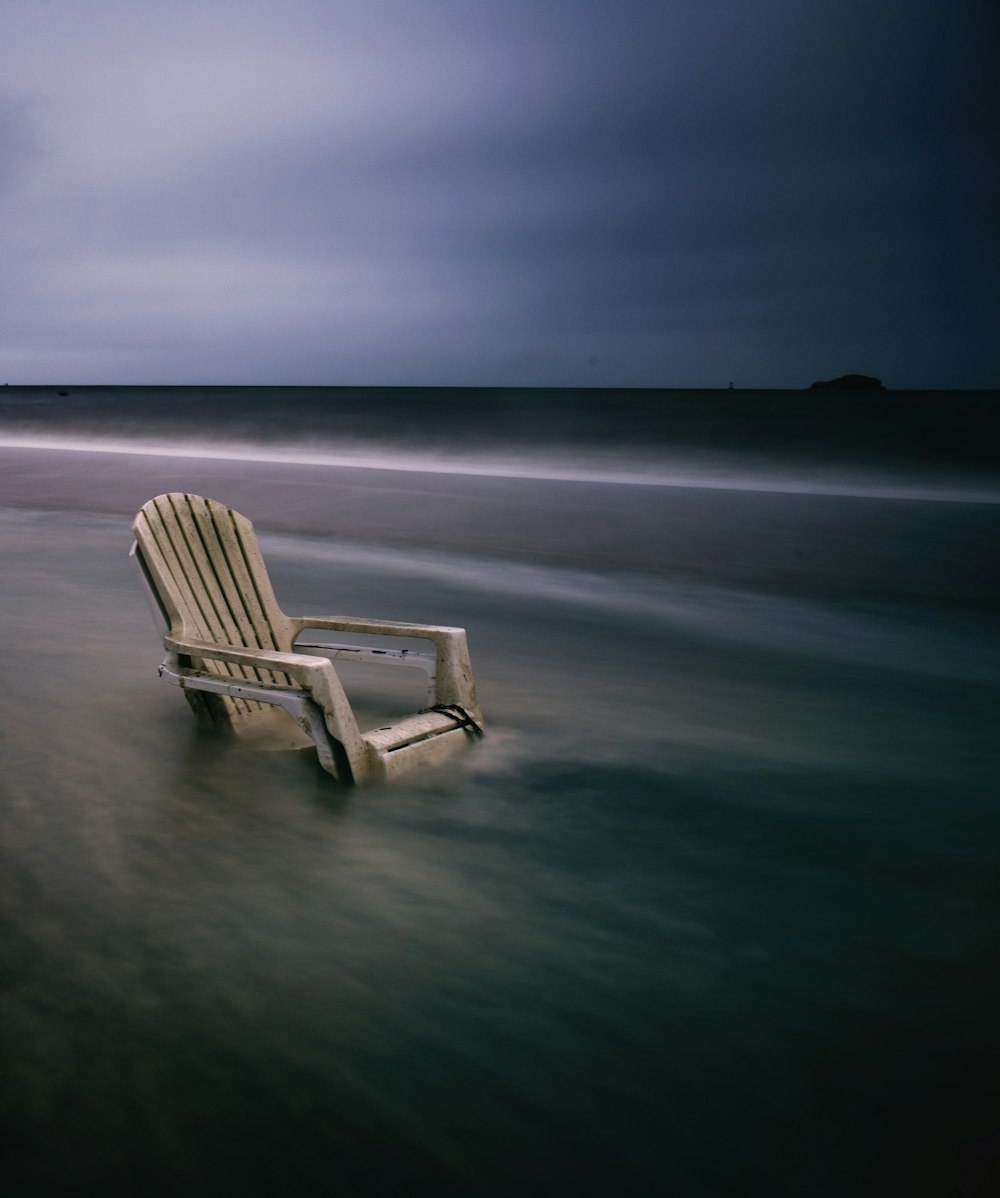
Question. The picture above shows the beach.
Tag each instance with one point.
(712, 910)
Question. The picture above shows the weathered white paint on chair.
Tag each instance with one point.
(234, 653)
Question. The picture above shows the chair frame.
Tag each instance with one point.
(197, 558)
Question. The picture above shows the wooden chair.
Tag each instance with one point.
(236, 656)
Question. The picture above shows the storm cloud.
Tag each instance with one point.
(461, 192)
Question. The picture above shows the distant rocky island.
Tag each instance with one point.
(849, 382)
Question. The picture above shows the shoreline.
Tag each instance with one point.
(844, 429)
(751, 474)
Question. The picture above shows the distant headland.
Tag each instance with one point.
(849, 382)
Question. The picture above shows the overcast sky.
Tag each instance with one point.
(498, 192)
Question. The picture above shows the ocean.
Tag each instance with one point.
(712, 911)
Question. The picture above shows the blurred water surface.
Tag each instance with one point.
(712, 911)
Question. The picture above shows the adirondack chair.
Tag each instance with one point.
(237, 657)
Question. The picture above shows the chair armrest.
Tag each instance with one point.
(437, 633)
(295, 665)
(315, 675)
(453, 677)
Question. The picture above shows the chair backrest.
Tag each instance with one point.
(205, 563)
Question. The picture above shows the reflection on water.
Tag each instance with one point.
(712, 911)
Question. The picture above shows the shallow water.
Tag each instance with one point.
(712, 911)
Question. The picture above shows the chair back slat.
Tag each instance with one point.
(237, 566)
(173, 572)
(206, 564)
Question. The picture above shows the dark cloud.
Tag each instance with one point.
(500, 192)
